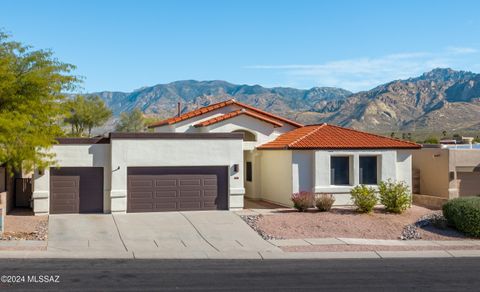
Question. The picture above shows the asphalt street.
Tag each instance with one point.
(450, 274)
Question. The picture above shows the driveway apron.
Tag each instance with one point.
(163, 232)
(80, 232)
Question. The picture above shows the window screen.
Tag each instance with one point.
(340, 170)
(368, 170)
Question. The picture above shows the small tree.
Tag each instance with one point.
(85, 113)
(31, 86)
(431, 140)
(133, 121)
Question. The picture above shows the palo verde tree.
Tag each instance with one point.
(31, 86)
(133, 121)
(85, 113)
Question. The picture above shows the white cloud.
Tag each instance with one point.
(365, 73)
(461, 50)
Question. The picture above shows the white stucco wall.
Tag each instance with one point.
(404, 167)
(310, 171)
(175, 152)
(276, 176)
(186, 126)
(263, 131)
(84, 155)
(302, 170)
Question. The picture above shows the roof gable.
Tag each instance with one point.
(326, 136)
(219, 105)
(237, 113)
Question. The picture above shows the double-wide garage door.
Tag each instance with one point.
(154, 189)
(76, 190)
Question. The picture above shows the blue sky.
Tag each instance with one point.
(356, 45)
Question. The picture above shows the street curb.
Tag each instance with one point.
(251, 255)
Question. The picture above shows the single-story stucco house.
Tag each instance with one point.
(212, 157)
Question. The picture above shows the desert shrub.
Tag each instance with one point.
(431, 140)
(364, 198)
(395, 196)
(324, 202)
(464, 214)
(303, 200)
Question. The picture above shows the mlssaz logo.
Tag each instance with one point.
(44, 279)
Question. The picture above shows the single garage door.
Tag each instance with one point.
(156, 189)
(468, 183)
(76, 190)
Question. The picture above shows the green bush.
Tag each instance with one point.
(324, 202)
(431, 140)
(464, 214)
(394, 196)
(364, 198)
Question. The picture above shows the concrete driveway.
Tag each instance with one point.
(144, 233)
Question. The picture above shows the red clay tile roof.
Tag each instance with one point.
(334, 137)
(215, 106)
(235, 114)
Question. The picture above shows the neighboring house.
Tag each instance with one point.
(446, 173)
(212, 157)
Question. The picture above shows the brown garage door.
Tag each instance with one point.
(76, 190)
(468, 183)
(156, 189)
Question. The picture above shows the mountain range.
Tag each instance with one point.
(442, 99)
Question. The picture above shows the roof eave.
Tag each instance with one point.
(337, 148)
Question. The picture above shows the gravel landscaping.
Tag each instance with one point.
(415, 223)
(252, 221)
(23, 225)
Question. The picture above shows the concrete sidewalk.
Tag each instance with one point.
(379, 242)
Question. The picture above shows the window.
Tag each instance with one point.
(340, 170)
(368, 170)
(247, 136)
(249, 171)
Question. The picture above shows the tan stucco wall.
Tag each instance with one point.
(276, 176)
(465, 163)
(433, 164)
(464, 158)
